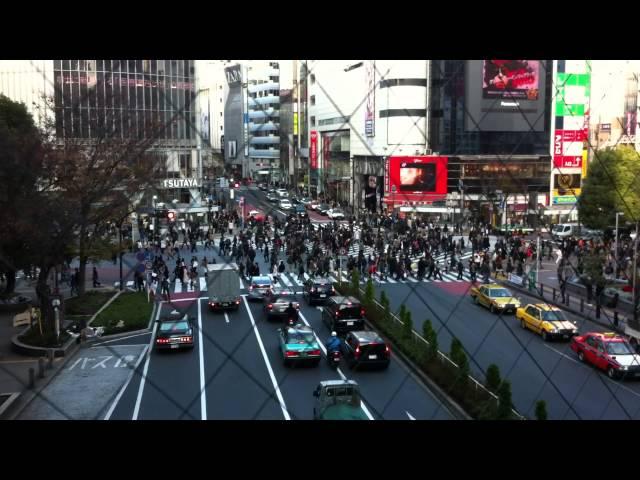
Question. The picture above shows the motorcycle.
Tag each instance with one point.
(333, 358)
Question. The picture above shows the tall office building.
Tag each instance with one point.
(153, 100)
(252, 120)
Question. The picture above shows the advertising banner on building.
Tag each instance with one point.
(572, 80)
(511, 79)
(370, 105)
(326, 151)
(313, 150)
(419, 179)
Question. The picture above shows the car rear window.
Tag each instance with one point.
(301, 338)
(553, 316)
(173, 326)
(261, 281)
(350, 311)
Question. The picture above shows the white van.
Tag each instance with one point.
(564, 230)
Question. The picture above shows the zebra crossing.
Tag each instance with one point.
(292, 280)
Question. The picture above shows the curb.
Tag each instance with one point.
(454, 408)
(33, 351)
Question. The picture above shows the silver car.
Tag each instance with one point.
(259, 287)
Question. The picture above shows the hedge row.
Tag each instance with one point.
(477, 402)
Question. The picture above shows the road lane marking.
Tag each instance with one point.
(283, 406)
(203, 284)
(136, 409)
(226, 317)
(121, 338)
(203, 393)
(126, 384)
(241, 284)
(324, 350)
(285, 280)
(411, 417)
(127, 344)
(561, 354)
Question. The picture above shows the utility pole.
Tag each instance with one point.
(635, 274)
(537, 257)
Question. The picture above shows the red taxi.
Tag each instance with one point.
(609, 352)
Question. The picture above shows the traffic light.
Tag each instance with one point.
(171, 216)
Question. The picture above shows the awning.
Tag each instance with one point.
(421, 209)
(559, 212)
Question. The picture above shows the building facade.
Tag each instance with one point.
(252, 120)
(146, 100)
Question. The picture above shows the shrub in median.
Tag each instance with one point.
(493, 377)
(541, 410)
(355, 280)
(369, 293)
(505, 404)
(477, 402)
(407, 327)
(430, 336)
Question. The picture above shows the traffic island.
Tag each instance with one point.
(129, 311)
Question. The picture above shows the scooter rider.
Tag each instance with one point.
(292, 314)
(333, 343)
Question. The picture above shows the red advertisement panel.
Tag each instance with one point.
(417, 179)
(326, 150)
(313, 150)
(563, 161)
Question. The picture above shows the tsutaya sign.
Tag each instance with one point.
(180, 183)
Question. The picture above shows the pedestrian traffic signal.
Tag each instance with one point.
(171, 216)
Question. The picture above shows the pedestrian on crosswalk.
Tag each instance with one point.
(436, 271)
(165, 289)
(460, 270)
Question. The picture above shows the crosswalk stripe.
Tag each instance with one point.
(391, 280)
(203, 284)
(412, 280)
(306, 276)
(285, 280)
(241, 284)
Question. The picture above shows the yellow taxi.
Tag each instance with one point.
(547, 320)
(495, 297)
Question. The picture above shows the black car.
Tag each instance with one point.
(362, 348)
(300, 211)
(174, 332)
(273, 198)
(317, 290)
(343, 314)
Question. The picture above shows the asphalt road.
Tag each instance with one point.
(235, 371)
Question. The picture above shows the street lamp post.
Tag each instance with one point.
(153, 218)
(616, 256)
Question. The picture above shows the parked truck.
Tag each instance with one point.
(338, 400)
(223, 284)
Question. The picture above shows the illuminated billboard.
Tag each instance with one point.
(505, 95)
(419, 179)
(519, 79)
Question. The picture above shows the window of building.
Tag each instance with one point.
(221, 128)
(313, 99)
(313, 79)
(313, 121)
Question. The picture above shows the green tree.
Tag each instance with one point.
(384, 300)
(21, 167)
(505, 404)
(493, 377)
(407, 324)
(459, 357)
(612, 185)
(355, 281)
(430, 336)
(541, 410)
(369, 292)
